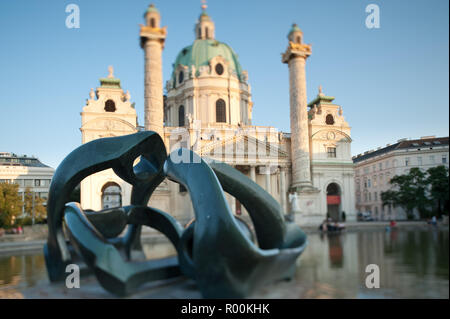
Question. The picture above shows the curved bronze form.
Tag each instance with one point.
(216, 250)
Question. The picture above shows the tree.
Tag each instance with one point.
(439, 187)
(409, 192)
(10, 204)
(34, 206)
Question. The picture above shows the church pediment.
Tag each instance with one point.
(331, 135)
(243, 148)
(109, 124)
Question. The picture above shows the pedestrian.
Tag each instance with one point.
(343, 216)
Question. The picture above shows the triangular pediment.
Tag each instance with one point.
(243, 148)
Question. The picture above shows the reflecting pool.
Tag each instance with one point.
(412, 264)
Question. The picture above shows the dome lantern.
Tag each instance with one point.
(295, 34)
(204, 29)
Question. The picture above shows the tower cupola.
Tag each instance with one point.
(152, 17)
(295, 35)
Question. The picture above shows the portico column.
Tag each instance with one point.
(268, 179)
(233, 204)
(283, 188)
(253, 173)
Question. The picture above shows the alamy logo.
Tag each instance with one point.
(73, 279)
(73, 19)
(373, 279)
(373, 19)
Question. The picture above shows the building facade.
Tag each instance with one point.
(208, 108)
(375, 168)
(108, 112)
(27, 172)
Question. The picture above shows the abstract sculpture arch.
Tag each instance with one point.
(215, 250)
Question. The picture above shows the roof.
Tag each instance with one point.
(112, 83)
(10, 159)
(152, 8)
(321, 99)
(202, 51)
(294, 28)
(405, 144)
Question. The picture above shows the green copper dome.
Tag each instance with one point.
(152, 8)
(202, 51)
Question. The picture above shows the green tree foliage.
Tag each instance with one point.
(438, 179)
(34, 206)
(418, 190)
(10, 204)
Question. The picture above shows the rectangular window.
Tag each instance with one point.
(368, 183)
(37, 182)
(406, 161)
(43, 195)
(18, 182)
(444, 159)
(375, 196)
(380, 166)
(419, 160)
(432, 159)
(374, 167)
(370, 197)
(331, 152)
(28, 182)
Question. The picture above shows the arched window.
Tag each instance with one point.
(181, 115)
(206, 33)
(110, 106)
(221, 115)
(333, 189)
(199, 33)
(329, 119)
(111, 195)
(152, 23)
(299, 40)
(180, 77)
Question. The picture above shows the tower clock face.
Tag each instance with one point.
(219, 69)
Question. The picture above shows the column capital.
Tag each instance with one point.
(296, 50)
(148, 33)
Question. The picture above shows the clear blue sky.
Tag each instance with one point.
(392, 82)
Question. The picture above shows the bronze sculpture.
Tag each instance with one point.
(215, 250)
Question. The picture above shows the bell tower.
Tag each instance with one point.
(152, 41)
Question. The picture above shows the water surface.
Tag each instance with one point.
(412, 263)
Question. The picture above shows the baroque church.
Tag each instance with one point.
(208, 108)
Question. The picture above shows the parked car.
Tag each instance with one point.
(365, 216)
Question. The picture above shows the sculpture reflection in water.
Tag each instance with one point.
(216, 250)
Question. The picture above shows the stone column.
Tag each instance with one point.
(253, 173)
(268, 179)
(283, 189)
(295, 56)
(233, 204)
(153, 96)
(152, 41)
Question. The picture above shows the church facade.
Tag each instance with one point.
(208, 108)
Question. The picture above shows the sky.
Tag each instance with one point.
(392, 82)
